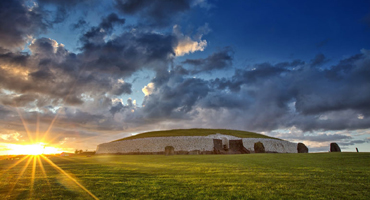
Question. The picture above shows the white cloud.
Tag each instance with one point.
(186, 44)
(147, 90)
(202, 4)
(11, 136)
(116, 101)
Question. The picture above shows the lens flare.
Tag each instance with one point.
(32, 149)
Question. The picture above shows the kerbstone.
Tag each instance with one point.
(334, 147)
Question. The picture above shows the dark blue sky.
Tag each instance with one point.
(280, 30)
(93, 71)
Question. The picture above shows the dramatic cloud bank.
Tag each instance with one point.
(81, 96)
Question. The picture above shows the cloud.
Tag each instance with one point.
(268, 97)
(293, 64)
(300, 95)
(255, 76)
(97, 34)
(202, 4)
(148, 89)
(323, 137)
(19, 23)
(81, 23)
(175, 97)
(187, 45)
(157, 13)
(20, 100)
(119, 107)
(216, 61)
(46, 48)
(108, 22)
(53, 75)
(3, 110)
(126, 53)
(122, 88)
(318, 60)
(10, 137)
(262, 97)
(354, 142)
(67, 3)
(62, 8)
(87, 90)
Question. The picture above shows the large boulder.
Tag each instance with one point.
(169, 150)
(301, 148)
(334, 147)
(259, 148)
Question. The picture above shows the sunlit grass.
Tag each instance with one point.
(26, 179)
(253, 176)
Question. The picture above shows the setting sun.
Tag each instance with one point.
(32, 149)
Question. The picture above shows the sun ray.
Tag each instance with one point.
(44, 173)
(24, 124)
(69, 159)
(15, 164)
(63, 102)
(70, 177)
(19, 176)
(33, 174)
(53, 139)
(100, 135)
(50, 126)
(37, 127)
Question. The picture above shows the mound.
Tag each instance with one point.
(195, 141)
(196, 132)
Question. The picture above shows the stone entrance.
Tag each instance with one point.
(236, 147)
(169, 150)
(232, 147)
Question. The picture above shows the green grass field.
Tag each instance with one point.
(197, 132)
(245, 176)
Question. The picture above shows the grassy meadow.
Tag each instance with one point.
(245, 176)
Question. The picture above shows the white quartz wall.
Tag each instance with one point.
(190, 143)
(279, 146)
(157, 144)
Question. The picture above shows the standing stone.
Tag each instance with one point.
(334, 147)
(169, 150)
(217, 146)
(236, 146)
(259, 148)
(301, 148)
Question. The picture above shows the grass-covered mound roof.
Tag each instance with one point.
(196, 132)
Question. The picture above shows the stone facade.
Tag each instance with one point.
(271, 145)
(188, 144)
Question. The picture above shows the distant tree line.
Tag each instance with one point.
(81, 152)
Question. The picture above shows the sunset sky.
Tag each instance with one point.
(77, 73)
